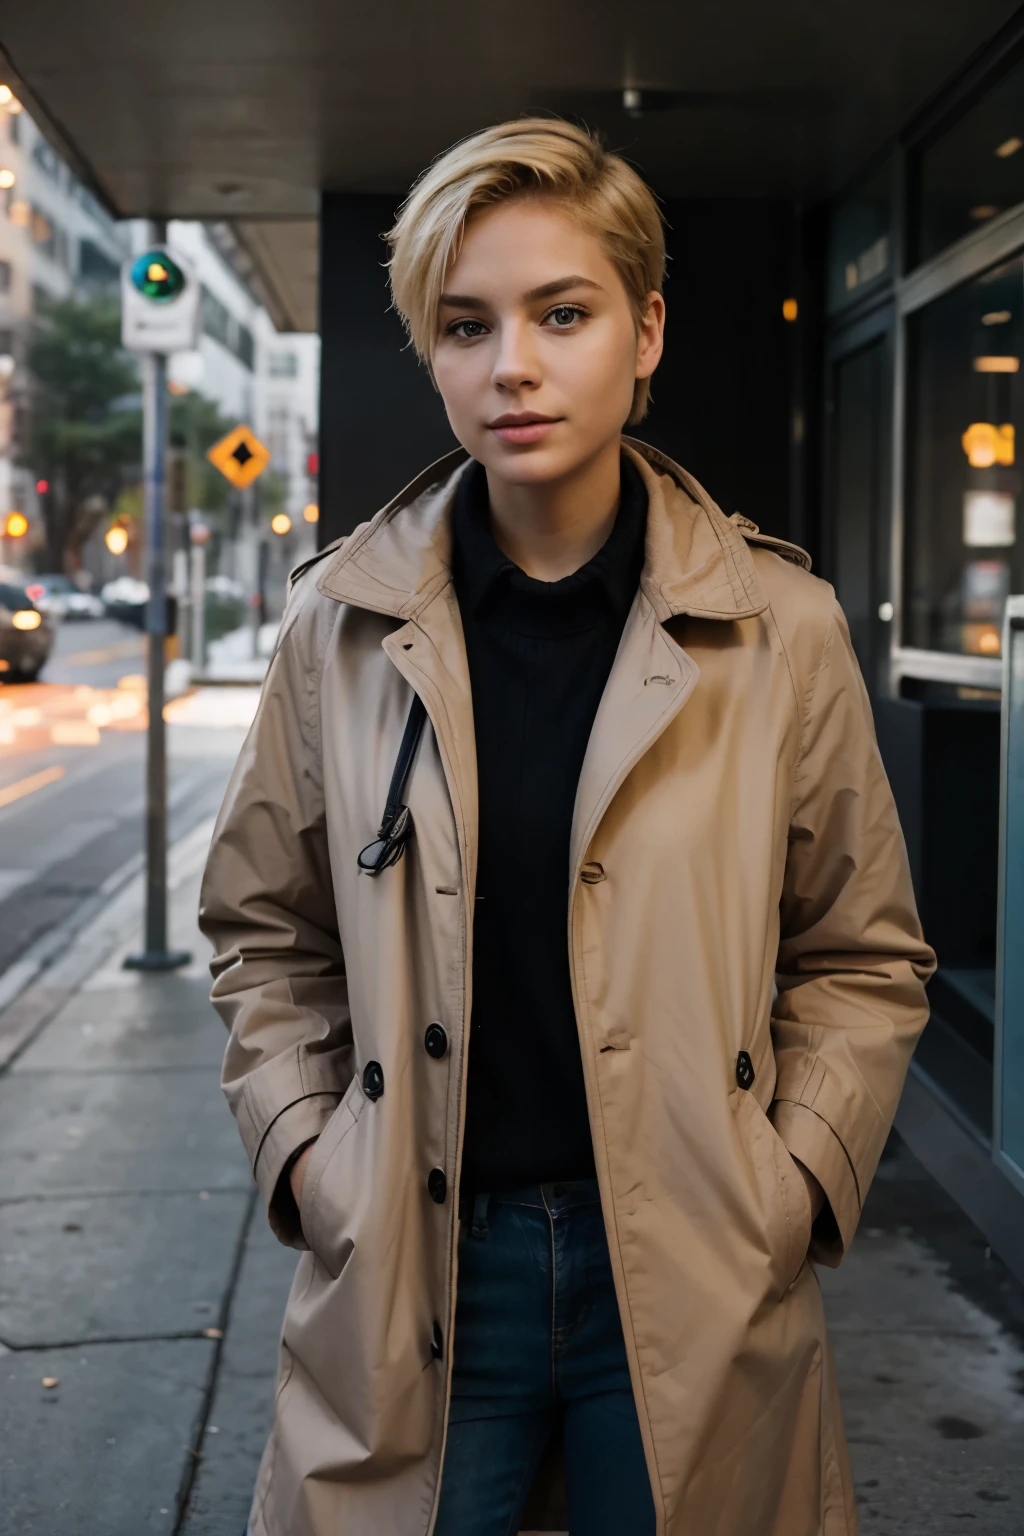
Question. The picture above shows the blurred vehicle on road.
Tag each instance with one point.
(62, 598)
(26, 635)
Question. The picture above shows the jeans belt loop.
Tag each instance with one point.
(478, 1223)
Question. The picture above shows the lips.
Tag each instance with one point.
(522, 427)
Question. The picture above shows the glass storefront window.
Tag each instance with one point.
(974, 170)
(964, 538)
(859, 244)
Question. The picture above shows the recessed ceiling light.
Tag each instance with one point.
(1009, 147)
(984, 211)
(996, 317)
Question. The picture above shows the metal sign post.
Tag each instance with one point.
(1008, 1074)
(154, 280)
(241, 459)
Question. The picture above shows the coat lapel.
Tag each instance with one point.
(430, 653)
(650, 681)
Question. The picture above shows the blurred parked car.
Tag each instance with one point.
(125, 598)
(61, 598)
(26, 635)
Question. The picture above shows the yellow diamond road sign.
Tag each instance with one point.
(240, 457)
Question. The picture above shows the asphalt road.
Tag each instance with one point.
(72, 774)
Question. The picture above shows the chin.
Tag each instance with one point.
(531, 466)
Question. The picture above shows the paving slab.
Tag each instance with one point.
(925, 1326)
(116, 1267)
(65, 1133)
(102, 1453)
(240, 1414)
(98, 1030)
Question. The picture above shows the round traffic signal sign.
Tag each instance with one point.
(157, 276)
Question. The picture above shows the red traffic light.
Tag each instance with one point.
(312, 464)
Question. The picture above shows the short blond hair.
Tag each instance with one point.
(534, 156)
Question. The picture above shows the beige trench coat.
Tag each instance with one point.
(737, 883)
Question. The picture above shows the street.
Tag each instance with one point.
(72, 777)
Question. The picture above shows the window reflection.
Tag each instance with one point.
(859, 247)
(975, 170)
(963, 533)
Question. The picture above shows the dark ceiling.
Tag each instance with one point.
(235, 109)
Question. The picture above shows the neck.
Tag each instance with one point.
(550, 530)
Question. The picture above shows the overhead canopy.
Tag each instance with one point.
(244, 110)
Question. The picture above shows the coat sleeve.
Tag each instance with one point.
(267, 907)
(852, 962)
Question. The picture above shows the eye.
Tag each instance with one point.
(564, 317)
(466, 330)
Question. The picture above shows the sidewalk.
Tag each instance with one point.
(141, 1293)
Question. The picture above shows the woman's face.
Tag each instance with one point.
(536, 351)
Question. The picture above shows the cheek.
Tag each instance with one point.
(460, 378)
(599, 371)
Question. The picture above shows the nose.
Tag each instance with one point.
(516, 365)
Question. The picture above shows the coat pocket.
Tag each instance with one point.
(787, 1203)
(329, 1143)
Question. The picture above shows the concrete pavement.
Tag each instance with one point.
(141, 1294)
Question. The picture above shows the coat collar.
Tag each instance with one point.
(696, 560)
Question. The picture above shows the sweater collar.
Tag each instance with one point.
(484, 574)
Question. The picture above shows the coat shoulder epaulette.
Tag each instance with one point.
(321, 554)
(753, 535)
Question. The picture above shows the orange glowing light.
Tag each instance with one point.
(26, 618)
(311, 513)
(790, 309)
(997, 365)
(986, 444)
(281, 523)
(988, 642)
(16, 525)
(116, 539)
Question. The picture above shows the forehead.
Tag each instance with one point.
(524, 243)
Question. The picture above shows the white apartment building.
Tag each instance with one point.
(56, 239)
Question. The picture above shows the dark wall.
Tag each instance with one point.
(381, 420)
(722, 395)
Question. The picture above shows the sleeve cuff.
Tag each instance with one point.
(294, 1127)
(812, 1140)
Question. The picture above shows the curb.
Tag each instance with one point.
(68, 953)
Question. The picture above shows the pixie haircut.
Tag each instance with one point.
(531, 157)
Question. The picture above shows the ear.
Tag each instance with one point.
(650, 340)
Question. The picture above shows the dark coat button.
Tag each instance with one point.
(373, 1079)
(437, 1185)
(436, 1041)
(437, 1342)
(744, 1070)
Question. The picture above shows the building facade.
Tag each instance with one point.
(921, 533)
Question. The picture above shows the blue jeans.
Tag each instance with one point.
(537, 1341)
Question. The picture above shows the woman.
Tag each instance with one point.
(561, 1072)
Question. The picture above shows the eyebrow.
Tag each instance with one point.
(545, 291)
